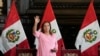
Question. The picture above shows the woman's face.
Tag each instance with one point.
(46, 27)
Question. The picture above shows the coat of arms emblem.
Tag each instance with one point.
(53, 30)
(90, 35)
(12, 35)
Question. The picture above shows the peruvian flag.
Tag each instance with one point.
(89, 34)
(13, 33)
(49, 16)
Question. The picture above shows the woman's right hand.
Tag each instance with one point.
(37, 20)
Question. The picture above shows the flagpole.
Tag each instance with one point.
(92, 1)
(14, 1)
(9, 5)
(49, 1)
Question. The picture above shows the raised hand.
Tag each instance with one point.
(37, 19)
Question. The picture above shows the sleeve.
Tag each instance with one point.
(37, 34)
(56, 43)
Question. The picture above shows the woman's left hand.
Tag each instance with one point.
(53, 50)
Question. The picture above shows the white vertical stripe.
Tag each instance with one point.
(80, 39)
(54, 25)
(9, 45)
(1, 46)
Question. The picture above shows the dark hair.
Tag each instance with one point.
(37, 14)
(42, 30)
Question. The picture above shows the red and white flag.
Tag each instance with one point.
(13, 33)
(49, 16)
(89, 34)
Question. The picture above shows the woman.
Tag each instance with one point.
(47, 40)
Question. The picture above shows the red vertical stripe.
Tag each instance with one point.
(48, 13)
(12, 16)
(90, 16)
(92, 51)
(12, 52)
